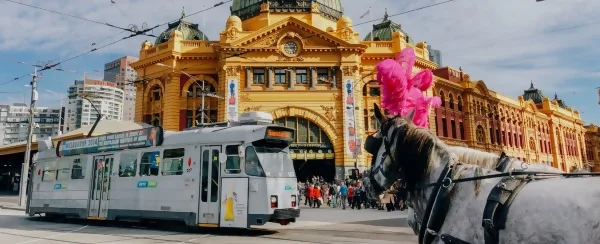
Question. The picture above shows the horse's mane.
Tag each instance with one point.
(471, 156)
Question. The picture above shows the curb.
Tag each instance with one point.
(11, 208)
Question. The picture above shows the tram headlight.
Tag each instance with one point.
(293, 200)
(273, 201)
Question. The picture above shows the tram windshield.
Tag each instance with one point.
(269, 159)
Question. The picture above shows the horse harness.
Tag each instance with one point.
(495, 211)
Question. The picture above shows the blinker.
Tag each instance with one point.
(373, 144)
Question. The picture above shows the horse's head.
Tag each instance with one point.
(400, 150)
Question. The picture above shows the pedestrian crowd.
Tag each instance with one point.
(349, 193)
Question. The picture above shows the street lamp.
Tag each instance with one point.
(59, 113)
(204, 93)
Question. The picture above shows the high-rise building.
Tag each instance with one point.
(14, 122)
(435, 56)
(105, 96)
(120, 72)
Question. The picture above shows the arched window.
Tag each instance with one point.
(480, 134)
(532, 144)
(451, 100)
(460, 104)
(194, 103)
(372, 89)
(443, 98)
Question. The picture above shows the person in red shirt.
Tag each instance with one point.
(350, 195)
(317, 197)
(308, 196)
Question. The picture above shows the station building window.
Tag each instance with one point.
(280, 76)
(173, 161)
(259, 76)
(323, 76)
(301, 76)
(149, 164)
(128, 164)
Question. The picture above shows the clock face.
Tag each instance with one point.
(290, 47)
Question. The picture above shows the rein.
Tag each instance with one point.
(447, 181)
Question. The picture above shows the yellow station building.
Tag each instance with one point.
(303, 62)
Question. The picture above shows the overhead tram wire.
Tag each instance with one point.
(71, 16)
(142, 32)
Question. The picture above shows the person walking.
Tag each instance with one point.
(317, 197)
(343, 195)
(308, 196)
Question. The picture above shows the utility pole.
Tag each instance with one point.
(25, 168)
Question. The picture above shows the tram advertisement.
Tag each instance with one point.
(234, 203)
(146, 137)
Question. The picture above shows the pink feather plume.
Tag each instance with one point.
(403, 92)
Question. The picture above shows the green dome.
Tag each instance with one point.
(533, 94)
(383, 31)
(560, 102)
(246, 9)
(190, 31)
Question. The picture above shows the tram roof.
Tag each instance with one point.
(209, 135)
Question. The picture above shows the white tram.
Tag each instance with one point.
(234, 175)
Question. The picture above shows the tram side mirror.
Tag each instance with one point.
(222, 158)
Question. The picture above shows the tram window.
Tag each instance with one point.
(233, 160)
(78, 169)
(128, 164)
(64, 169)
(49, 173)
(214, 186)
(150, 163)
(205, 158)
(173, 161)
(253, 167)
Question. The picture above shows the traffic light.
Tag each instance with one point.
(355, 174)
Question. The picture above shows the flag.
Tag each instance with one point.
(366, 13)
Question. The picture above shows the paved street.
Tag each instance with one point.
(314, 226)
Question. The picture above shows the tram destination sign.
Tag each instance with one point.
(146, 137)
(280, 133)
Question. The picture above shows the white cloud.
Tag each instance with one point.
(488, 38)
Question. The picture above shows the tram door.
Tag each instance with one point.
(208, 211)
(99, 199)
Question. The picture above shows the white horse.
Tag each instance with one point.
(553, 210)
(489, 161)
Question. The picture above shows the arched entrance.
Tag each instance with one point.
(312, 152)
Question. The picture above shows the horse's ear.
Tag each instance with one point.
(377, 112)
(410, 116)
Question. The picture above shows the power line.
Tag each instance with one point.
(406, 12)
(69, 15)
(201, 11)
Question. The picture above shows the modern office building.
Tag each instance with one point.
(14, 122)
(435, 56)
(120, 72)
(86, 94)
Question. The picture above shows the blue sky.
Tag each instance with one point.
(505, 43)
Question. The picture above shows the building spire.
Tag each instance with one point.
(182, 13)
(385, 16)
(555, 96)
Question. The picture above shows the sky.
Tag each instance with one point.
(506, 43)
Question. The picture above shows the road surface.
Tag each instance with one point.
(314, 226)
